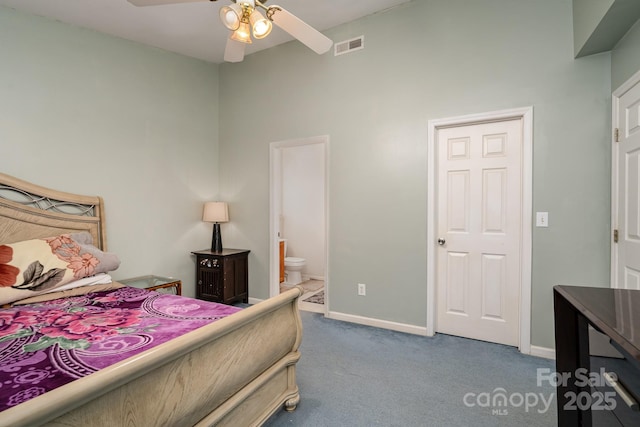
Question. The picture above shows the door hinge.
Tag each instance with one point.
(616, 135)
(615, 236)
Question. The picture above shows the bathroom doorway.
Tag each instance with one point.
(299, 219)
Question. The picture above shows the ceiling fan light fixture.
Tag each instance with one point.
(242, 34)
(261, 25)
(231, 16)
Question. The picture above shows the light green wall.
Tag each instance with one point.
(87, 113)
(599, 24)
(426, 60)
(625, 58)
(587, 14)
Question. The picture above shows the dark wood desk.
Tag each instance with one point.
(616, 314)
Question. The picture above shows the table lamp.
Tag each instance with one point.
(216, 212)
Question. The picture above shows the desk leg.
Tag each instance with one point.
(572, 353)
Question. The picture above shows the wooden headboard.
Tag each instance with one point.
(29, 211)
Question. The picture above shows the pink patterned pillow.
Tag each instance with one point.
(37, 266)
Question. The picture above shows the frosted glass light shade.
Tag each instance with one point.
(215, 212)
(231, 16)
(261, 25)
(242, 34)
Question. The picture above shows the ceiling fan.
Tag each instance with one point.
(243, 18)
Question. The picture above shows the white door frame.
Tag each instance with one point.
(526, 114)
(615, 106)
(275, 199)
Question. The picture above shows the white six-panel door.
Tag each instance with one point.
(479, 202)
(626, 265)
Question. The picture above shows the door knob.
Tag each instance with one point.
(441, 242)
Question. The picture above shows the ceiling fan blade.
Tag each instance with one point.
(299, 29)
(234, 51)
(159, 2)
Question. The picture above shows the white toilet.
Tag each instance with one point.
(293, 267)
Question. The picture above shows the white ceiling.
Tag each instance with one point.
(191, 29)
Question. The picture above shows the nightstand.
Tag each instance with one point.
(164, 285)
(222, 276)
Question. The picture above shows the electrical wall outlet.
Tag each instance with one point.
(362, 289)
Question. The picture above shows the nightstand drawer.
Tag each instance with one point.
(209, 262)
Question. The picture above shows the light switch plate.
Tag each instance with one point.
(542, 219)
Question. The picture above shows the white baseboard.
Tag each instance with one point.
(537, 351)
(384, 324)
(314, 308)
(547, 353)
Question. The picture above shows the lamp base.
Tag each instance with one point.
(216, 239)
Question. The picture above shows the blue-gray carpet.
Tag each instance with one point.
(353, 375)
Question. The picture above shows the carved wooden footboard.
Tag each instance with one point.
(236, 371)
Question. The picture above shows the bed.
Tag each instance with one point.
(236, 371)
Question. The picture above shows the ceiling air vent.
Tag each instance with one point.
(348, 46)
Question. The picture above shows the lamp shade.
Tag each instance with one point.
(215, 212)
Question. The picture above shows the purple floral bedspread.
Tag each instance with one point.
(46, 345)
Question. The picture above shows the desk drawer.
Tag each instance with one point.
(628, 377)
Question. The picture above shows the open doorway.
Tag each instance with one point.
(298, 220)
